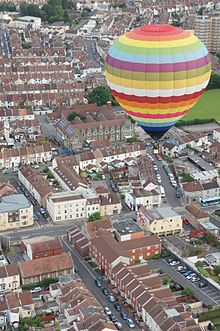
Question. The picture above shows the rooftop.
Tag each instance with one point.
(158, 213)
(126, 227)
(13, 202)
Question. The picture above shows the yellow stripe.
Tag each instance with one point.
(157, 85)
(158, 110)
(157, 120)
(158, 44)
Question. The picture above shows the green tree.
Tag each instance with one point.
(95, 217)
(101, 95)
(217, 269)
(73, 115)
(188, 291)
(165, 279)
(214, 81)
(66, 16)
(7, 7)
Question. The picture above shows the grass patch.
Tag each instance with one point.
(210, 315)
(43, 283)
(203, 272)
(207, 107)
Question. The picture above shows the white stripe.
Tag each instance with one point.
(158, 93)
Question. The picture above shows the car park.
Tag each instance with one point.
(117, 306)
(118, 325)
(124, 315)
(111, 298)
(107, 311)
(98, 282)
(130, 323)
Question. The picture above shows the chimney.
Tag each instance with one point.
(109, 105)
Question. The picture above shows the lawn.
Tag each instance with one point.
(207, 107)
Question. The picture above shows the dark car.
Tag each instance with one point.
(117, 306)
(124, 315)
(113, 318)
(98, 282)
(202, 284)
(105, 291)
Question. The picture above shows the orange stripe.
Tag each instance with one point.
(169, 105)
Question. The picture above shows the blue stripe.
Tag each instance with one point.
(156, 124)
(157, 58)
(156, 129)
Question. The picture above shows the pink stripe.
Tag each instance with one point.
(163, 67)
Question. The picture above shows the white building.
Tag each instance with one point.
(27, 22)
(144, 198)
(216, 134)
(9, 277)
(72, 205)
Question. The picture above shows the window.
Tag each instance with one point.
(161, 227)
(171, 220)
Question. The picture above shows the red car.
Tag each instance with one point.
(159, 158)
(185, 221)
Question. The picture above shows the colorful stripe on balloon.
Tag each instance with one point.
(157, 73)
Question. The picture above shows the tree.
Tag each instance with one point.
(95, 217)
(217, 269)
(73, 115)
(101, 95)
(165, 279)
(188, 291)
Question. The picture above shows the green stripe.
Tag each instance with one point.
(162, 51)
(157, 76)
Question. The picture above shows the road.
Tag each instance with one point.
(90, 48)
(4, 41)
(88, 276)
(208, 295)
(170, 191)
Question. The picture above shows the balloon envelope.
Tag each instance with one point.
(157, 73)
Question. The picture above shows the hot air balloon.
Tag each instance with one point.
(157, 73)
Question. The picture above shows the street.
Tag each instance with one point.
(5, 48)
(90, 48)
(209, 295)
(88, 276)
(47, 130)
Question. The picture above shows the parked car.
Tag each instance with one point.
(113, 318)
(111, 298)
(117, 306)
(195, 279)
(202, 284)
(124, 315)
(36, 290)
(4, 172)
(159, 157)
(118, 325)
(105, 291)
(191, 275)
(185, 221)
(107, 311)
(174, 262)
(98, 282)
(187, 273)
(130, 323)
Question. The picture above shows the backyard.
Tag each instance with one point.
(213, 316)
(208, 107)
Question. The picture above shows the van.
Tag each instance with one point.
(162, 191)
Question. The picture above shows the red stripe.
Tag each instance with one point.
(154, 100)
(171, 115)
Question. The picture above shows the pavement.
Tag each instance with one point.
(88, 276)
(208, 295)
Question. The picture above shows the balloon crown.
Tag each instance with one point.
(157, 28)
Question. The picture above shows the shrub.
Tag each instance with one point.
(203, 272)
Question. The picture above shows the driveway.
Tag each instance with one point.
(209, 295)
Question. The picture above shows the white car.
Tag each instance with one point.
(155, 167)
(36, 290)
(175, 262)
(107, 311)
(173, 183)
